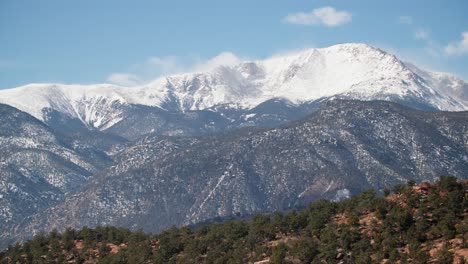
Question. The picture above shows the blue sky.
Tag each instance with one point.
(91, 41)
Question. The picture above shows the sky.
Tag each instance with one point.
(131, 42)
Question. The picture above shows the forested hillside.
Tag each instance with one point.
(423, 223)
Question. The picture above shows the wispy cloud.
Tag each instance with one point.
(431, 47)
(458, 48)
(147, 70)
(421, 34)
(163, 65)
(222, 59)
(155, 67)
(4, 64)
(327, 16)
(8, 64)
(406, 20)
(124, 79)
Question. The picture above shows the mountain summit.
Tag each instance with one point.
(345, 71)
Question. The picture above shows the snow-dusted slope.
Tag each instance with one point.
(354, 71)
(445, 83)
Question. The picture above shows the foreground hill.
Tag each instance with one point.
(343, 148)
(415, 224)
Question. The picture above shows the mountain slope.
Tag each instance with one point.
(145, 120)
(348, 71)
(343, 148)
(37, 167)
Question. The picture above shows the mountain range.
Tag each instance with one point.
(258, 136)
(346, 71)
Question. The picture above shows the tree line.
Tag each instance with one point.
(410, 224)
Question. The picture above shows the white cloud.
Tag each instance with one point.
(165, 65)
(406, 20)
(327, 16)
(421, 34)
(124, 79)
(148, 70)
(155, 67)
(433, 49)
(458, 48)
(222, 59)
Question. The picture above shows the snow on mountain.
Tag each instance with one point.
(446, 83)
(353, 71)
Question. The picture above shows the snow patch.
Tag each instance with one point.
(341, 195)
(249, 116)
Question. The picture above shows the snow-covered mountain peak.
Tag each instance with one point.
(84, 102)
(353, 70)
